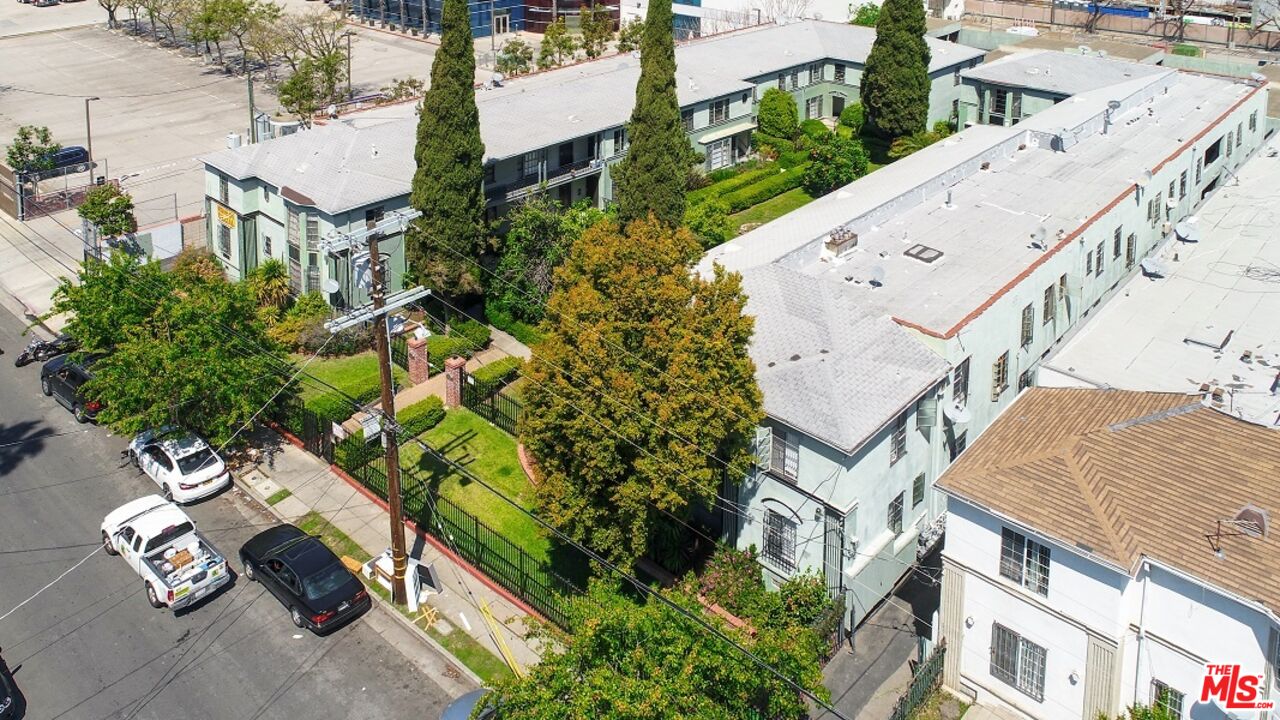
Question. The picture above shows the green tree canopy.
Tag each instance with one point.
(836, 161)
(652, 177)
(110, 209)
(629, 318)
(540, 235)
(181, 348)
(597, 29)
(448, 185)
(629, 35)
(516, 58)
(895, 84)
(557, 45)
(866, 15)
(709, 221)
(778, 115)
(32, 149)
(629, 660)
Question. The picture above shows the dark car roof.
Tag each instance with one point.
(83, 366)
(267, 541)
(461, 708)
(308, 556)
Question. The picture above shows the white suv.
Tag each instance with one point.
(183, 465)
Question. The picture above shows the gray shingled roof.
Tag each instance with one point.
(830, 364)
(544, 109)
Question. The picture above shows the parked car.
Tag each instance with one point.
(10, 698)
(462, 708)
(181, 463)
(305, 576)
(44, 3)
(61, 379)
(177, 564)
(74, 157)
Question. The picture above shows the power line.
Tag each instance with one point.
(29, 91)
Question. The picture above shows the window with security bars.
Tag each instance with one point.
(313, 278)
(1199, 169)
(782, 81)
(719, 111)
(1253, 121)
(1050, 309)
(1088, 264)
(1028, 324)
(898, 442)
(224, 241)
(1130, 250)
(224, 190)
(960, 383)
(529, 163)
(1166, 698)
(815, 73)
(794, 82)
(780, 541)
(1024, 561)
(266, 246)
(999, 376)
(1115, 238)
(1229, 143)
(917, 491)
(1153, 208)
(1182, 185)
(784, 460)
(1024, 380)
(1018, 661)
(313, 233)
(894, 519)
(1097, 260)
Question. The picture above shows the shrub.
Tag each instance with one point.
(315, 338)
(803, 600)
(771, 145)
(866, 15)
(304, 319)
(331, 407)
(943, 128)
(476, 333)
(792, 159)
(837, 161)
(710, 222)
(757, 193)
(853, 117)
(908, 144)
(815, 130)
(502, 371)
(729, 185)
(1185, 50)
(522, 331)
(441, 347)
(420, 416)
(733, 580)
(352, 452)
(778, 116)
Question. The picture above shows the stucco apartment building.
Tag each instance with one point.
(1103, 547)
(985, 250)
(557, 132)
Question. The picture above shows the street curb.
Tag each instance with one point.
(378, 602)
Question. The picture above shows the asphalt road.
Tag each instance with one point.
(91, 646)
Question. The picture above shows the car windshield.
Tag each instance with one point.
(171, 533)
(325, 581)
(202, 459)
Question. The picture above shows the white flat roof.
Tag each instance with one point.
(985, 236)
(1228, 283)
(1063, 73)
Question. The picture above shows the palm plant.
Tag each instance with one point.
(270, 284)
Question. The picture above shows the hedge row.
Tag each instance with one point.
(500, 371)
(441, 347)
(332, 407)
(420, 416)
(737, 182)
(757, 193)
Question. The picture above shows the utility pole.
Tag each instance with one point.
(88, 133)
(253, 132)
(378, 294)
(348, 35)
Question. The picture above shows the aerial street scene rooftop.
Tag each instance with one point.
(688, 359)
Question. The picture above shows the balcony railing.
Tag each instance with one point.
(517, 189)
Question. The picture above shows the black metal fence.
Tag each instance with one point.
(830, 628)
(486, 399)
(315, 432)
(400, 352)
(927, 679)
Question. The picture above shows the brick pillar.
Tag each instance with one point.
(419, 369)
(453, 371)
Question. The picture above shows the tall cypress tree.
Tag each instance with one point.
(448, 185)
(651, 179)
(895, 84)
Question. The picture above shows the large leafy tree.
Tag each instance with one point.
(32, 149)
(835, 161)
(540, 235)
(895, 84)
(448, 185)
(182, 348)
(642, 391)
(624, 660)
(778, 115)
(652, 177)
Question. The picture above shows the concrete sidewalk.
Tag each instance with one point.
(313, 486)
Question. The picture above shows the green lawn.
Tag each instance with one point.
(489, 453)
(313, 523)
(353, 374)
(278, 495)
(771, 209)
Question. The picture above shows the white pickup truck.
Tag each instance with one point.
(162, 545)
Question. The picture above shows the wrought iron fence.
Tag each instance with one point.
(400, 352)
(486, 399)
(926, 680)
(315, 432)
(830, 628)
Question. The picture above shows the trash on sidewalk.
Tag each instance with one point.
(420, 582)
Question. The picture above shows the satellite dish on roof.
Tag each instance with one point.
(330, 286)
(1113, 105)
(1187, 232)
(876, 278)
(957, 414)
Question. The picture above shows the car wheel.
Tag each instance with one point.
(249, 572)
(133, 457)
(297, 617)
(78, 411)
(167, 492)
(46, 387)
(153, 598)
(106, 544)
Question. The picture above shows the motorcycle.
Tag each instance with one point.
(41, 350)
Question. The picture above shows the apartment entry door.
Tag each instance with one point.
(502, 22)
(837, 104)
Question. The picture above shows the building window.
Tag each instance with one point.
(1017, 661)
(1024, 561)
(999, 107)
(1199, 167)
(313, 278)
(1088, 264)
(1182, 191)
(1115, 239)
(813, 108)
(1239, 133)
(1166, 698)
(1130, 250)
(784, 458)
(956, 78)
(1212, 153)
(1050, 309)
(840, 79)
(999, 376)
(373, 216)
(960, 383)
(1024, 379)
(1028, 324)
(224, 241)
(719, 111)
(313, 232)
(1229, 144)
(794, 82)
(266, 246)
(1172, 189)
(782, 81)
(1153, 208)
(894, 519)
(1097, 260)
(815, 73)
(957, 447)
(529, 164)
(619, 141)
(490, 172)
(917, 491)
(224, 190)
(1253, 121)
(780, 541)
(898, 441)
(1062, 289)
(1015, 108)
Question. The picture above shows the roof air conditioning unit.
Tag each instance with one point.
(840, 241)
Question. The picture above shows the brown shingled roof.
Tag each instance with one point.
(1127, 474)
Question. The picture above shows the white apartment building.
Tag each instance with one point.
(1102, 547)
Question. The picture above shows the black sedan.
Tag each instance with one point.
(10, 698)
(305, 576)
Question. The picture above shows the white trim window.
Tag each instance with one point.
(1018, 661)
(780, 540)
(1024, 561)
(784, 454)
(893, 518)
(1166, 698)
(898, 440)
